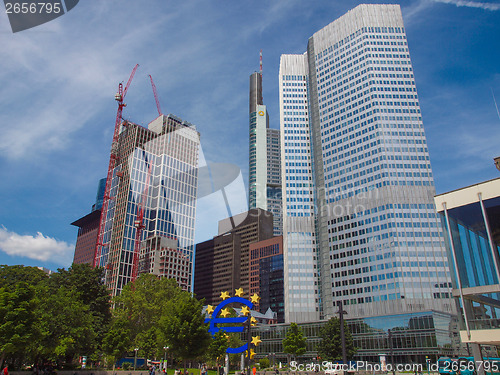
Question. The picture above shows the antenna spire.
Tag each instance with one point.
(260, 62)
(496, 105)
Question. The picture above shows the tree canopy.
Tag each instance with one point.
(139, 309)
(294, 343)
(218, 346)
(57, 318)
(184, 328)
(51, 318)
(330, 346)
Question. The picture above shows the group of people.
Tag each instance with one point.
(152, 370)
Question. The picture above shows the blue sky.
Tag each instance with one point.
(58, 81)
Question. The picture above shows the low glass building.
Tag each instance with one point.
(414, 338)
(471, 219)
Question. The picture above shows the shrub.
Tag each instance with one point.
(264, 363)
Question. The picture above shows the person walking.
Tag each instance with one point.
(5, 371)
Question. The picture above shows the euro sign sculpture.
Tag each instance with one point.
(238, 321)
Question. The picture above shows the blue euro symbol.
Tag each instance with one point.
(213, 329)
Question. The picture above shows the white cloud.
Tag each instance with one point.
(471, 4)
(412, 12)
(38, 247)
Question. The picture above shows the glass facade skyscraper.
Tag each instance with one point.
(266, 275)
(359, 220)
(158, 173)
(264, 188)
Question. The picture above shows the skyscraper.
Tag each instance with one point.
(266, 275)
(88, 228)
(359, 220)
(264, 157)
(156, 174)
(223, 263)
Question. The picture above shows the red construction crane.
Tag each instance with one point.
(155, 93)
(139, 219)
(113, 157)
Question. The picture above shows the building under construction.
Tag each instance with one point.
(148, 214)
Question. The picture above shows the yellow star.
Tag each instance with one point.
(252, 353)
(239, 292)
(255, 298)
(224, 295)
(210, 309)
(225, 312)
(245, 310)
(253, 321)
(256, 340)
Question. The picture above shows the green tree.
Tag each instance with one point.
(18, 286)
(65, 325)
(184, 329)
(87, 286)
(117, 339)
(264, 363)
(16, 322)
(218, 346)
(52, 318)
(330, 346)
(12, 275)
(294, 342)
(139, 309)
(87, 282)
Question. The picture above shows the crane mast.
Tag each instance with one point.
(113, 157)
(155, 93)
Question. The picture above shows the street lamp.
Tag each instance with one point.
(135, 357)
(391, 349)
(341, 313)
(165, 359)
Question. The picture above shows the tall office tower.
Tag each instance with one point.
(301, 278)
(156, 176)
(100, 194)
(223, 263)
(359, 221)
(264, 186)
(88, 228)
